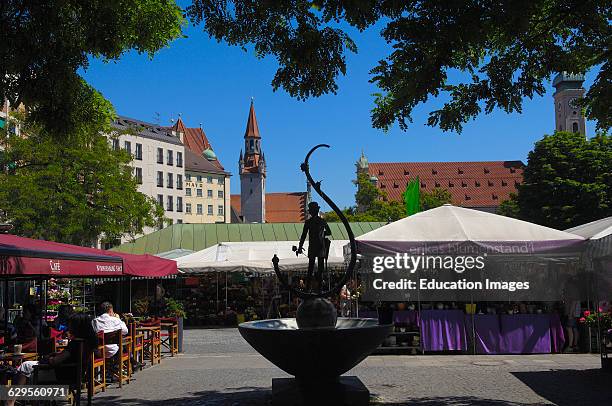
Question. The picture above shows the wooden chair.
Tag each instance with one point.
(75, 384)
(169, 335)
(96, 379)
(152, 341)
(137, 343)
(120, 362)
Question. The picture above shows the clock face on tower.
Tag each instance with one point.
(573, 103)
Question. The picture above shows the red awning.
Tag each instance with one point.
(26, 256)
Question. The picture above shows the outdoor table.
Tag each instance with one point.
(16, 359)
(517, 333)
(443, 330)
(148, 336)
(368, 314)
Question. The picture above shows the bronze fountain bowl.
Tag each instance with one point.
(315, 354)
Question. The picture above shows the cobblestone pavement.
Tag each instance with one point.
(220, 368)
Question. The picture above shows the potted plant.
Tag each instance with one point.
(602, 322)
(176, 309)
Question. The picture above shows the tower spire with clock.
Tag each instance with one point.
(568, 115)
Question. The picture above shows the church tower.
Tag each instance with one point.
(568, 115)
(252, 169)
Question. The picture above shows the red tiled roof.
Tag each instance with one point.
(195, 139)
(471, 184)
(252, 130)
(280, 207)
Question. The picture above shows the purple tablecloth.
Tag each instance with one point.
(410, 317)
(517, 334)
(443, 330)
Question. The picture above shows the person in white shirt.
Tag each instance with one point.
(108, 321)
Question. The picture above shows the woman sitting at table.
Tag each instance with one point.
(79, 326)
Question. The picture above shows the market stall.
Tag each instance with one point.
(598, 260)
(231, 282)
(487, 320)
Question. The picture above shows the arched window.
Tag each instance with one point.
(575, 127)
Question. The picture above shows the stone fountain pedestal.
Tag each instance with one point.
(348, 390)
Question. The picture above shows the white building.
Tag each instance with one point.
(159, 159)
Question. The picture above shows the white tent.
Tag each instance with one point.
(599, 234)
(511, 250)
(175, 253)
(457, 224)
(254, 256)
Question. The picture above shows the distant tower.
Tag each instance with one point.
(568, 116)
(252, 169)
(362, 166)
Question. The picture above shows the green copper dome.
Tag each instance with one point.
(209, 154)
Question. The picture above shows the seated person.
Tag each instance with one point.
(63, 315)
(11, 332)
(27, 328)
(109, 321)
(79, 326)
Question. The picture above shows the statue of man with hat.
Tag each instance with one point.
(318, 243)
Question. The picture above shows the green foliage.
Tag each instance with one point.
(509, 50)
(74, 189)
(567, 181)
(372, 204)
(45, 43)
(437, 197)
(174, 308)
(510, 207)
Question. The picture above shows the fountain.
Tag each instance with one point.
(316, 347)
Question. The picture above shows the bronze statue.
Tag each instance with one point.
(318, 244)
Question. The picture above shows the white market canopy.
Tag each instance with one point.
(599, 234)
(254, 256)
(450, 226)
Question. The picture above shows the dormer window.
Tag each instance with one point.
(477, 184)
(504, 183)
(395, 185)
(491, 183)
(406, 173)
(494, 196)
(463, 184)
(434, 172)
(486, 170)
(437, 184)
(450, 184)
(460, 171)
(380, 173)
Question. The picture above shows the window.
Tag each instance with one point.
(210, 210)
(170, 158)
(170, 181)
(179, 159)
(220, 180)
(160, 200)
(199, 192)
(220, 194)
(169, 203)
(115, 144)
(160, 179)
(575, 127)
(209, 193)
(128, 147)
(179, 221)
(179, 181)
(209, 179)
(199, 178)
(139, 151)
(199, 208)
(160, 155)
(179, 204)
(220, 210)
(138, 175)
(188, 191)
(187, 177)
(188, 208)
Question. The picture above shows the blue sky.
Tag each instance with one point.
(211, 83)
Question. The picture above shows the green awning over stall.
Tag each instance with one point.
(196, 237)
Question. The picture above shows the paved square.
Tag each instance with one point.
(220, 368)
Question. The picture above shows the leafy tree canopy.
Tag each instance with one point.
(567, 181)
(45, 43)
(73, 189)
(509, 49)
(372, 204)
